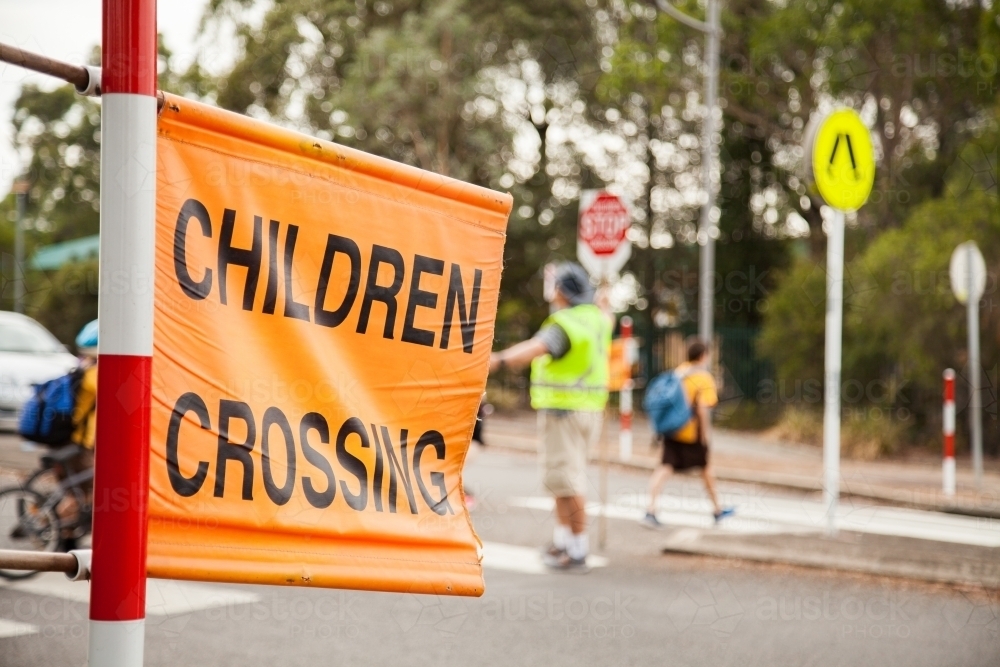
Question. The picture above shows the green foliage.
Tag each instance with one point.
(61, 130)
(792, 336)
(447, 85)
(67, 300)
(923, 74)
(902, 325)
(865, 437)
(920, 71)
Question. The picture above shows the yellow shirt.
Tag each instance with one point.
(701, 390)
(85, 410)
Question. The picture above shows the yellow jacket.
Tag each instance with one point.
(85, 411)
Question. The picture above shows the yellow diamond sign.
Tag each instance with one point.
(842, 160)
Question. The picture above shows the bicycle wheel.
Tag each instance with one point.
(26, 524)
(75, 523)
(44, 481)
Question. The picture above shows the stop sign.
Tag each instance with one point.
(602, 246)
(603, 224)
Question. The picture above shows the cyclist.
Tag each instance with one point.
(84, 426)
(85, 411)
(76, 455)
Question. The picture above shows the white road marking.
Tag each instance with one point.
(15, 629)
(768, 515)
(51, 584)
(526, 560)
(164, 597)
(686, 536)
(741, 523)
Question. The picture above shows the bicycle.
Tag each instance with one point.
(30, 517)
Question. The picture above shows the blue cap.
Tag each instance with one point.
(87, 338)
(574, 283)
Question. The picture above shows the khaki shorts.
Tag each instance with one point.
(566, 437)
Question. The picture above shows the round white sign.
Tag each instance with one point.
(967, 270)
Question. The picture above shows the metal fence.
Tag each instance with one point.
(736, 362)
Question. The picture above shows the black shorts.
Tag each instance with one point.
(683, 455)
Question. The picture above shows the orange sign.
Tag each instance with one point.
(323, 322)
(618, 369)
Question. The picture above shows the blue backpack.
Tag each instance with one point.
(666, 403)
(47, 417)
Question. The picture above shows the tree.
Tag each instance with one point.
(68, 299)
(917, 71)
(654, 77)
(60, 131)
(902, 325)
(465, 89)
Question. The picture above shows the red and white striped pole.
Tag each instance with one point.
(125, 312)
(625, 432)
(948, 464)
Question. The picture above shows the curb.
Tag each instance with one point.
(894, 497)
(844, 552)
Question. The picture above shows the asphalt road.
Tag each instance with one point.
(12, 455)
(641, 608)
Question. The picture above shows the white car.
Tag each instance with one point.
(29, 354)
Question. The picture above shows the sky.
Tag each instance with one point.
(68, 30)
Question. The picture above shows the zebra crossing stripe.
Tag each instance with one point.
(164, 597)
(10, 628)
(526, 560)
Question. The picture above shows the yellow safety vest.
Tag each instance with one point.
(578, 380)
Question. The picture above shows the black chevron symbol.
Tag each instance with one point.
(850, 152)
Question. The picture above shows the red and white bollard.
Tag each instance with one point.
(125, 312)
(625, 432)
(948, 465)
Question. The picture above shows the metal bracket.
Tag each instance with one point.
(93, 87)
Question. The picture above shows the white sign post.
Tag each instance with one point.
(601, 244)
(832, 365)
(602, 249)
(968, 281)
(841, 166)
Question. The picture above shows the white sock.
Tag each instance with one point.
(561, 536)
(578, 546)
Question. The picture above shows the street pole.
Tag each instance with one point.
(976, 404)
(706, 226)
(834, 324)
(844, 179)
(128, 208)
(602, 520)
(625, 402)
(948, 429)
(21, 192)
